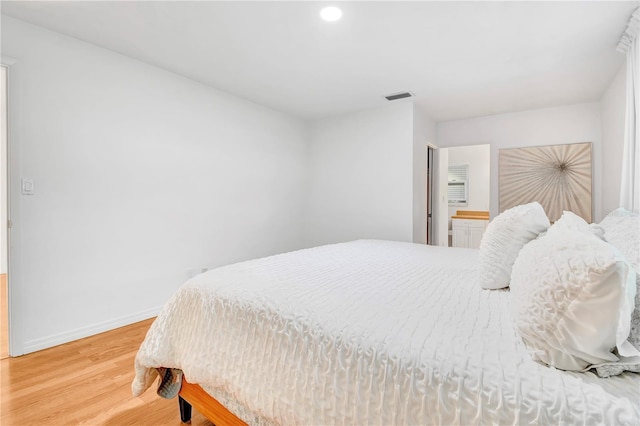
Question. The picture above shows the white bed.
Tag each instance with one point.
(369, 332)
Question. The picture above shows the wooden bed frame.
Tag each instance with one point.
(191, 395)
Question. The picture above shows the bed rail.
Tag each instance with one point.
(194, 396)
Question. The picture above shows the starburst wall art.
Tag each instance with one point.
(557, 176)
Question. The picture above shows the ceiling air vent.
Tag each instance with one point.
(398, 96)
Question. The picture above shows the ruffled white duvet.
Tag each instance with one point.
(370, 332)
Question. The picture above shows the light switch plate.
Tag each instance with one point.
(27, 186)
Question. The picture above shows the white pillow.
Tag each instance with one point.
(505, 236)
(573, 222)
(622, 230)
(572, 297)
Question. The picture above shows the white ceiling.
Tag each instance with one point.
(460, 59)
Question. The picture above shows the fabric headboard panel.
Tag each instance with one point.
(556, 176)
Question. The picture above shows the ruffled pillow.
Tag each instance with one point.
(572, 298)
(572, 222)
(504, 237)
(622, 230)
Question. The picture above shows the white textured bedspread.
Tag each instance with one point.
(370, 332)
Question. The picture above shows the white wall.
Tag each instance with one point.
(441, 207)
(140, 175)
(548, 126)
(478, 157)
(613, 114)
(361, 176)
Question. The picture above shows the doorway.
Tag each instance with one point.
(474, 195)
(4, 292)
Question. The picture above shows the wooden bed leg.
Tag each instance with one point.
(185, 410)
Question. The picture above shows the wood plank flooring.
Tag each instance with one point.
(87, 382)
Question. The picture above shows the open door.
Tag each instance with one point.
(430, 194)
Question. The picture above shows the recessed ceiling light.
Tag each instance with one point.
(331, 13)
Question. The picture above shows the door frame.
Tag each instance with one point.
(14, 275)
(442, 203)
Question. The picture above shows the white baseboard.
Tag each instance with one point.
(80, 333)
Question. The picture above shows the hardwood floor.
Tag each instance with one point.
(87, 382)
(4, 317)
